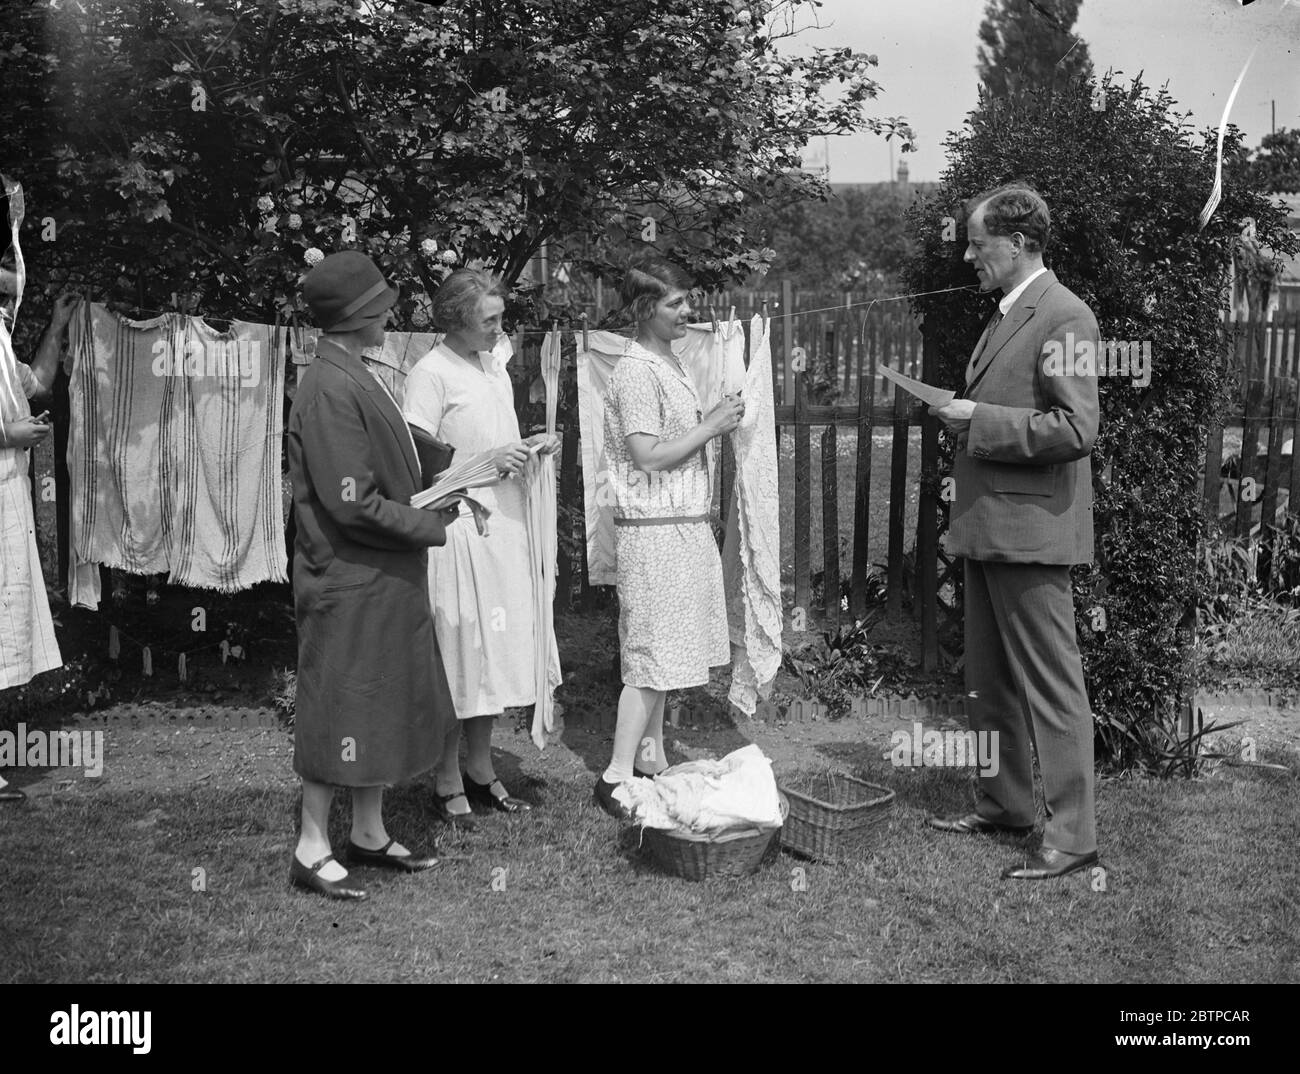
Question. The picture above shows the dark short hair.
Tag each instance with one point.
(1015, 207)
(456, 302)
(648, 279)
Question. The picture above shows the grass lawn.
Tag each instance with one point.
(1201, 882)
(99, 874)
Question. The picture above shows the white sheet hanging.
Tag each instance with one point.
(542, 551)
(751, 551)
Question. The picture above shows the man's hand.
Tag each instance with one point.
(957, 414)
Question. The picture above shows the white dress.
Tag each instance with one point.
(27, 642)
(480, 587)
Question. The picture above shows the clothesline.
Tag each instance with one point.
(542, 332)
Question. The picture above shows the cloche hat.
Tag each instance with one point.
(346, 291)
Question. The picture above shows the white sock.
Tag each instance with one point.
(635, 707)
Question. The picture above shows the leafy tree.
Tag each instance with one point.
(1125, 183)
(205, 149)
(857, 234)
(1275, 166)
(1030, 44)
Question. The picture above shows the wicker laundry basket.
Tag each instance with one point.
(833, 817)
(739, 852)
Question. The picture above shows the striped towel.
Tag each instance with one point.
(120, 421)
(174, 451)
(225, 457)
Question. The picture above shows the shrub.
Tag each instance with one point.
(1125, 183)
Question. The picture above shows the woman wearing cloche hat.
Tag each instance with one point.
(373, 705)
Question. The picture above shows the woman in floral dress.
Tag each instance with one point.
(672, 622)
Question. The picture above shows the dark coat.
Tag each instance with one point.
(372, 703)
(1023, 476)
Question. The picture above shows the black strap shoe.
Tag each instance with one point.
(604, 797)
(309, 879)
(464, 821)
(406, 863)
(488, 794)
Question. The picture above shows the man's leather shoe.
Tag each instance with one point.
(1047, 863)
(407, 863)
(309, 880)
(12, 794)
(974, 824)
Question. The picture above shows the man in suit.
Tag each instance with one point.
(1022, 516)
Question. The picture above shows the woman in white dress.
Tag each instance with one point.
(481, 587)
(27, 643)
(672, 619)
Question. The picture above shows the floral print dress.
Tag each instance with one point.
(672, 621)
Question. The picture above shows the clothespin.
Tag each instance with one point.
(180, 668)
(713, 316)
(765, 309)
(731, 317)
(147, 657)
(586, 345)
(114, 643)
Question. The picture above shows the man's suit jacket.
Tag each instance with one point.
(1023, 479)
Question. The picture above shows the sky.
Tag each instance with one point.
(927, 49)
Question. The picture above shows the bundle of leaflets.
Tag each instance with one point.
(477, 471)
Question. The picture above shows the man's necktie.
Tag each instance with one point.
(985, 340)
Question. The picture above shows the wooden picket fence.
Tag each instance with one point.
(1264, 350)
(826, 353)
(1251, 492)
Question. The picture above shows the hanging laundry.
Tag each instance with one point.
(751, 562)
(540, 502)
(707, 353)
(228, 532)
(596, 363)
(401, 350)
(120, 419)
(390, 363)
(174, 451)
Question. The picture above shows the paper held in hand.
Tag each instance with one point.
(927, 393)
(476, 471)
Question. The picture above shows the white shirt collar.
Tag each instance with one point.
(1008, 300)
